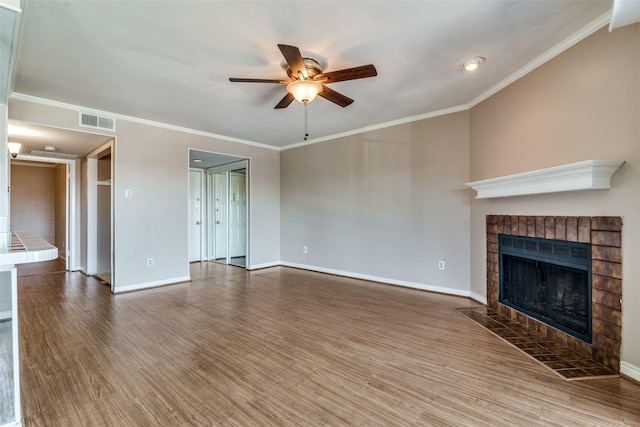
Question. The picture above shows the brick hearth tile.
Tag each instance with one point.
(550, 227)
(540, 229)
(606, 238)
(573, 373)
(579, 346)
(586, 363)
(601, 371)
(514, 225)
(536, 351)
(606, 253)
(605, 268)
(606, 359)
(549, 358)
(531, 226)
(607, 299)
(607, 314)
(561, 228)
(507, 224)
(605, 344)
(572, 228)
(560, 365)
(522, 226)
(584, 229)
(609, 223)
(608, 330)
(608, 284)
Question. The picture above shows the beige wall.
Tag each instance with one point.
(387, 204)
(584, 104)
(153, 162)
(33, 200)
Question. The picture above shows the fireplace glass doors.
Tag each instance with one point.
(549, 280)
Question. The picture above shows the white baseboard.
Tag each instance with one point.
(414, 285)
(477, 297)
(630, 371)
(147, 285)
(5, 315)
(264, 265)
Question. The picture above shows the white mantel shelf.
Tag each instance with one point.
(586, 175)
(25, 247)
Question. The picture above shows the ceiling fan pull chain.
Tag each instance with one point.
(306, 122)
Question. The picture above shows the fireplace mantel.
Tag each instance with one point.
(586, 175)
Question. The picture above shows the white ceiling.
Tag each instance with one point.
(169, 61)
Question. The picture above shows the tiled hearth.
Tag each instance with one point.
(605, 236)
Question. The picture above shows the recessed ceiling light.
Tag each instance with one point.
(473, 63)
(197, 160)
(49, 148)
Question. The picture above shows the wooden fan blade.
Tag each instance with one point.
(294, 59)
(241, 80)
(361, 72)
(284, 102)
(335, 97)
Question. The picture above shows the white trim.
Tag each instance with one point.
(630, 370)
(429, 115)
(482, 299)
(57, 104)
(385, 280)
(264, 265)
(586, 175)
(582, 34)
(154, 284)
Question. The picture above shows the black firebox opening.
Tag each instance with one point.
(549, 280)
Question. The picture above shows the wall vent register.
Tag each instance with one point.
(549, 280)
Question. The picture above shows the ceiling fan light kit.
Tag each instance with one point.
(304, 90)
(308, 79)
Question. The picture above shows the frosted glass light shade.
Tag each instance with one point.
(304, 90)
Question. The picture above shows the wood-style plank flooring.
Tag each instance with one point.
(283, 347)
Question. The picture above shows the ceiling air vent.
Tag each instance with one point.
(53, 154)
(93, 121)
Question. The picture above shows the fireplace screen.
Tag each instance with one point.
(549, 280)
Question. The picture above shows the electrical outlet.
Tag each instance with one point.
(304, 249)
(149, 262)
(441, 265)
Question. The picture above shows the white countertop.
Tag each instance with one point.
(25, 247)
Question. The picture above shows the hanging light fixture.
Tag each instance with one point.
(14, 148)
(304, 90)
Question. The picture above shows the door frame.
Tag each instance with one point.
(228, 168)
(72, 255)
(92, 209)
(203, 214)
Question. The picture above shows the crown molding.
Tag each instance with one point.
(545, 57)
(48, 102)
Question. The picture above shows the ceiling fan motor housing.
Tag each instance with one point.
(313, 68)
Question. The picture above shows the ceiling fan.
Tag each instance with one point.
(308, 79)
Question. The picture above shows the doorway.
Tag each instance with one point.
(218, 219)
(42, 200)
(228, 191)
(99, 168)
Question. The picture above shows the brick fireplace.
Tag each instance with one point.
(604, 234)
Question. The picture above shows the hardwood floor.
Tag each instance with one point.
(283, 347)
